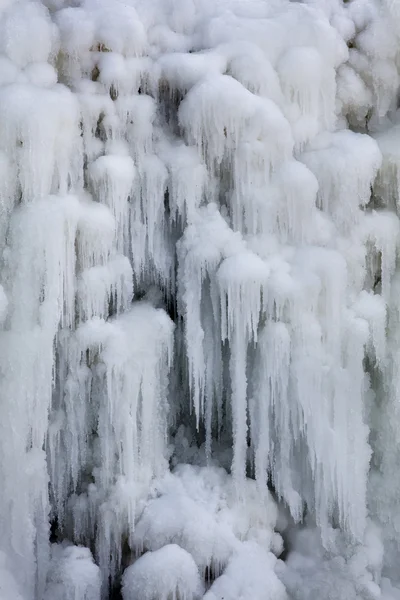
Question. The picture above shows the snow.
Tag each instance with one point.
(166, 573)
(199, 283)
(311, 571)
(249, 575)
(72, 574)
(28, 34)
(344, 163)
(197, 508)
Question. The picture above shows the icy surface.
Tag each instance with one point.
(199, 290)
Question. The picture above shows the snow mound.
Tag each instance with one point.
(250, 576)
(197, 509)
(166, 574)
(73, 575)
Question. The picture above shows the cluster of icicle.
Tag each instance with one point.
(243, 159)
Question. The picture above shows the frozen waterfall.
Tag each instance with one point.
(199, 299)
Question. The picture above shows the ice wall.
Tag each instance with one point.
(198, 224)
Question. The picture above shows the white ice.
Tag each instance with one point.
(199, 263)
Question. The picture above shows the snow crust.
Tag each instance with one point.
(199, 284)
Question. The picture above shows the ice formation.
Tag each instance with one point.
(199, 283)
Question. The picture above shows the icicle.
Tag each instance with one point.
(39, 132)
(137, 114)
(387, 184)
(372, 308)
(187, 180)
(297, 191)
(96, 231)
(153, 178)
(40, 280)
(8, 192)
(219, 112)
(275, 418)
(309, 89)
(125, 127)
(381, 230)
(345, 164)
(241, 279)
(100, 286)
(112, 179)
(128, 360)
(200, 252)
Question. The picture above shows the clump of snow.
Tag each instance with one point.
(73, 575)
(197, 509)
(166, 573)
(249, 575)
(344, 163)
(28, 34)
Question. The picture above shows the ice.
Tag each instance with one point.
(137, 114)
(99, 286)
(309, 569)
(200, 252)
(187, 180)
(182, 71)
(128, 383)
(96, 234)
(8, 586)
(330, 157)
(3, 305)
(381, 231)
(211, 117)
(112, 178)
(249, 65)
(308, 84)
(39, 132)
(297, 191)
(199, 282)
